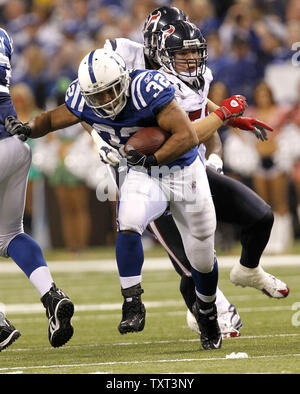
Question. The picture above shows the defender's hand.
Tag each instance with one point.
(256, 126)
(135, 158)
(232, 107)
(14, 126)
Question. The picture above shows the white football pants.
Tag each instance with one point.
(15, 160)
(143, 199)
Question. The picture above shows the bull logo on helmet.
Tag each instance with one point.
(154, 19)
(168, 32)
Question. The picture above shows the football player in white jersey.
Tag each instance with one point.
(234, 202)
(15, 160)
(117, 103)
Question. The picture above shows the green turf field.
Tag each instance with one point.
(270, 332)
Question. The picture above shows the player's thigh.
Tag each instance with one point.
(13, 186)
(141, 201)
(196, 211)
(196, 222)
(235, 202)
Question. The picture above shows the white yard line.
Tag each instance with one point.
(26, 309)
(151, 264)
(143, 343)
(134, 362)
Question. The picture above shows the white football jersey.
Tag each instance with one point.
(132, 52)
(192, 99)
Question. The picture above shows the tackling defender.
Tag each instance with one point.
(117, 103)
(15, 160)
(234, 202)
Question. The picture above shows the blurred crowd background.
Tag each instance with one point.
(254, 50)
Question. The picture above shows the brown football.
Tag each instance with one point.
(148, 140)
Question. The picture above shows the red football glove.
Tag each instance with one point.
(256, 126)
(232, 107)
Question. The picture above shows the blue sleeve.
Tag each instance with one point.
(151, 90)
(6, 43)
(74, 100)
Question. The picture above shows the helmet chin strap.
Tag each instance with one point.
(186, 77)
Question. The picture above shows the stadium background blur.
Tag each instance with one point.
(253, 48)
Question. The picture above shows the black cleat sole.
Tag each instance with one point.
(125, 330)
(65, 331)
(15, 335)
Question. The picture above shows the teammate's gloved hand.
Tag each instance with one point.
(107, 153)
(215, 162)
(135, 158)
(232, 107)
(15, 126)
(256, 126)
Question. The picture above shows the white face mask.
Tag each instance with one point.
(118, 93)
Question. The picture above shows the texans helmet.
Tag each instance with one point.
(154, 23)
(185, 39)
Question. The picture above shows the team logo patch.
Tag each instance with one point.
(154, 19)
(168, 32)
(148, 77)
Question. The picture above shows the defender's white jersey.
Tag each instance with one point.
(132, 52)
(192, 99)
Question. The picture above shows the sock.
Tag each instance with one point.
(222, 303)
(130, 258)
(41, 279)
(187, 289)
(26, 253)
(206, 283)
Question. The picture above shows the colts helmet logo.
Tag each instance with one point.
(154, 19)
(168, 32)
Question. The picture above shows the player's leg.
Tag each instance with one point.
(167, 234)
(196, 221)
(137, 207)
(237, 204)
(21, 247)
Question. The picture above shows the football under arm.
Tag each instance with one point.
(183, 138)
(48, 121)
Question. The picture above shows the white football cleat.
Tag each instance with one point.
(259, 279)
(229, 323)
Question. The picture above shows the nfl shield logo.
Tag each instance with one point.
(194, 185)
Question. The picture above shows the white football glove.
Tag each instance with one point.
(215, 162)
(107, 154)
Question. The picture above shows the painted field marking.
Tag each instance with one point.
(150, 264)
(71, 347)
(34, 308)
(134, 362)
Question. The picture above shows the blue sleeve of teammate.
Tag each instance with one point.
(74, 100)
(6, 44)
